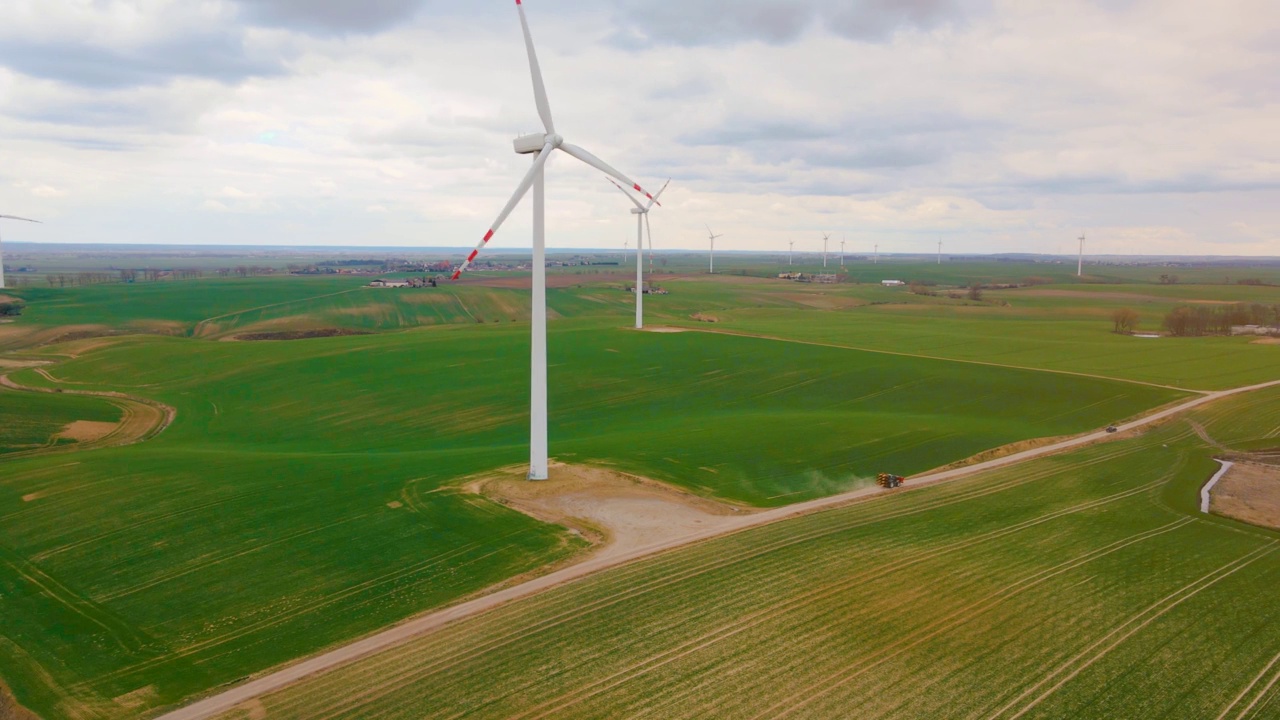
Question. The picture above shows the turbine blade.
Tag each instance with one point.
(661, 190)
(521, 191)
(630, 197)
(15, 217)
(603, 167)
(539, 90)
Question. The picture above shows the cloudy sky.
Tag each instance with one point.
(994, 126)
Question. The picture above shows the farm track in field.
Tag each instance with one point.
(880, 351)
(397, 635)
(140, 420)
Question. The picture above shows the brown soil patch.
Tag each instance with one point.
(138, 699)
(703, 317)
(619, 512)
(664, 329)
(86, 431)
(1266, 341)
(9, 364)
(298, 334)
(1249, 492)
(10, 709)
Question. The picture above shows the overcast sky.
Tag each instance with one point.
(993, 126)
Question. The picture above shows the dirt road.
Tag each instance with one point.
(229, 699)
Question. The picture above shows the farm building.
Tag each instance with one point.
(892, 283)
(389, 283)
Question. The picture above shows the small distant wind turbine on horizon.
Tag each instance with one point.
(791, 249)
(540, 146)
(825, 238)
(842, 241)
(939, 252)
(10, 217)
(641, 211)
(1080, 265)
(713, 248)
(877, 260)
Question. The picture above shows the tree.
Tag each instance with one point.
(975, 291)
(1125, 320)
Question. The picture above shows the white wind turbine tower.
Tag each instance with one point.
(539, 146)
(713, 248)
(790, 250)
(9, 217)
(825, 238)
(641, 211)
(939, 252)
(1080, 265)
(842, 253)
(877, 260)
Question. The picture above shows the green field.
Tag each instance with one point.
(1068, 587)
(307, 492)
(31, 420)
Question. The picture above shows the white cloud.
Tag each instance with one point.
(1002, 126)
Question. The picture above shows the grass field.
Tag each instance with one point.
(258, 527)
(1074, 586)
(307, 492)
(32, 420)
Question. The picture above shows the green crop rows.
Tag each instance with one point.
(307, 492)
(1064, 588)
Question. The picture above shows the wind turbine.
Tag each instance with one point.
(877, 260)
(790, 250)
(842, 253)
(825, 238)
(539, 145)
(713, 248)
(10, 217)
(1080, 266)
(641, 211)
(939, 252)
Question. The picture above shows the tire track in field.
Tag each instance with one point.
(292, 614)
(959, 617)
(219, 558)
(1127, 629)
(399, 679)
(1244, 693)
(197, 329)
(432, 621)
(141, 419)
(746, 623)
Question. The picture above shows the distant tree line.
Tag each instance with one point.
(1200, 320)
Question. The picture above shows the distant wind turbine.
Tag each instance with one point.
(939, 252)
(641, 211)
(1080, 266)
(791, 249)
(713, 248)
(540, 146)
(842, 253)
(10, 217)
(825, 238)
(877, 260)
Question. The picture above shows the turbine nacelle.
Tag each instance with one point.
(531, 144)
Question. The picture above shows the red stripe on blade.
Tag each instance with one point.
(457, 275)
(488, 236)
(473, 255)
